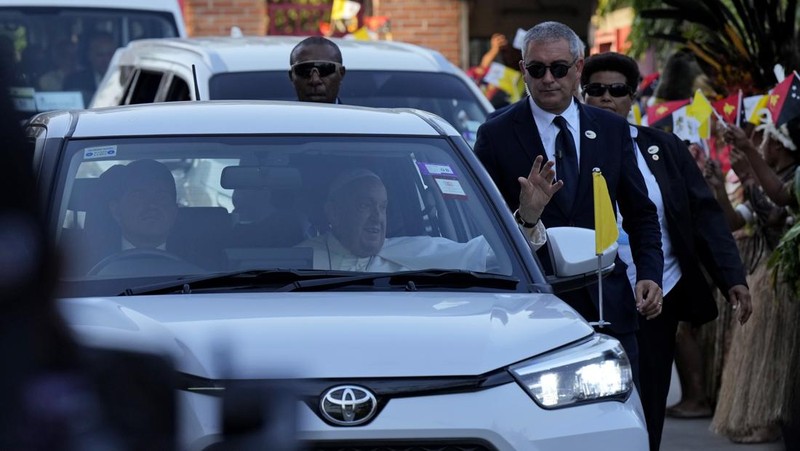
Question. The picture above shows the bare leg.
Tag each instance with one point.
(689, 362)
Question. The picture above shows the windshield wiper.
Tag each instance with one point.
(410, 280)
(236, 280)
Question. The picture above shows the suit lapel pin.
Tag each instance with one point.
(653, 150)
(590, 134)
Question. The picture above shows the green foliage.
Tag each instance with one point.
(736, 41)
(785, 259)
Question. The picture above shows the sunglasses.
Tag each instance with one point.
(558, 70)
(615, 89)
(306, 68)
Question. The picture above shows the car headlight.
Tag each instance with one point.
(593, 370)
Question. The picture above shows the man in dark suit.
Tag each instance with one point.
(694, 233)
(508, 143)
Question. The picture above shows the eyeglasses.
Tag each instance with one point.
(615, 89)
(306, 68)
(559, 70)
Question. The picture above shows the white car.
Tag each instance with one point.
(472, 352)
(379, 74)
(52, 40)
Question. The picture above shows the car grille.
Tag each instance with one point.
(399, 446)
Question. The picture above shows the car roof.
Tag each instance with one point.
(240, 117)
(251, 53)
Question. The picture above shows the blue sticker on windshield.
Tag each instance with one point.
(442, 170)
(92, 153)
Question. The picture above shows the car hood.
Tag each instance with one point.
(330, 335)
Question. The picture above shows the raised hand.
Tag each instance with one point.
(537, 189)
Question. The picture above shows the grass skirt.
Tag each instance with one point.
(762, 362)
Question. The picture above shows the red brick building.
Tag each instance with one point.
(453, 27)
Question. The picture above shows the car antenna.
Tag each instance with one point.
(194, 79)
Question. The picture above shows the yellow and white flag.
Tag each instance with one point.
(635, 114)
(701, 110)
(507, 79)
(605, 222)
(753, 105)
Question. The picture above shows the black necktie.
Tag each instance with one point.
(566, 163)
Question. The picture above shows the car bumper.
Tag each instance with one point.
(501, 418)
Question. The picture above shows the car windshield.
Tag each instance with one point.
(56, 55)
(147, 210)
(442, 94)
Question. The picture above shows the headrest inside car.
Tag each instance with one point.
(236, 177)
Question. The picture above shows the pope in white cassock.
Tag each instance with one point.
(356, 210)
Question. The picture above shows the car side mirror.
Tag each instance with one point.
(574, 262)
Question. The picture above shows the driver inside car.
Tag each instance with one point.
(145, 206)
(356, 241)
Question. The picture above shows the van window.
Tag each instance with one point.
(56, 56)
(145, 87)
(178, 90)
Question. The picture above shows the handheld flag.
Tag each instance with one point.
(701, 110)
(605, 222)
(507, 79)
(635, 114)
(784, 100)
(752, 106)
(337, 10)
(728, 108)
(660, 114)
(684, 126)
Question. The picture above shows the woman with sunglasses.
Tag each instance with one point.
(693, 228)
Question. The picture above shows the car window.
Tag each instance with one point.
(442, 94)
(266, 203)
(52, 51)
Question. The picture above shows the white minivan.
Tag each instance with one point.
(54, 52)
(379, 74)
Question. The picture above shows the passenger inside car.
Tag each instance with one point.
(356, 209)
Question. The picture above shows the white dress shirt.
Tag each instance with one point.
(548, 130)
(672, 270)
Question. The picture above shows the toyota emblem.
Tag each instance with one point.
(348, 405)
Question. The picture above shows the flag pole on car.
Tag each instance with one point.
(605, 232)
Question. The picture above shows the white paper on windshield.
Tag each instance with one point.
(92, 153)
(23, 99)
(59, 100)
(519, 39)
(450, 187)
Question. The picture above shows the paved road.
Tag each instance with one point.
(694, 435)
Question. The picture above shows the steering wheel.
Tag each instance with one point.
(153, 258)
